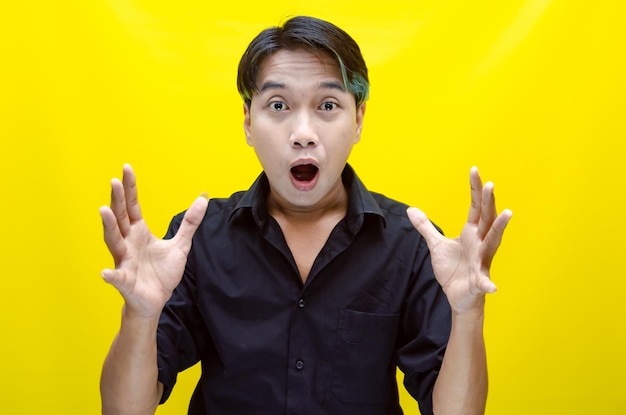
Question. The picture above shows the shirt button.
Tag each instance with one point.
(300, 364)
(301, 303)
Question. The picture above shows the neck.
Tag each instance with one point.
(333, 206)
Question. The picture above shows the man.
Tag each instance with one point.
(303, 294)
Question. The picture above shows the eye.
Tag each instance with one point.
(328, 106)
(278, 106)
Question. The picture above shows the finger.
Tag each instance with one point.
(487, 210)
(192, 219)
(476, 189)
(130, 190)
(494, 237)
(118, 206)
(424, 226)
(112, 234)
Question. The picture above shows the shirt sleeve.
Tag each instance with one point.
(178, 342)
(424, 332)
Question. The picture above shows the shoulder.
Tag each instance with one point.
(218, 212)
(391, 208)
(395, 213)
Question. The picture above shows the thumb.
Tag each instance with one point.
(423, 225)
(192, 219)
(112, 276)
(485, 285)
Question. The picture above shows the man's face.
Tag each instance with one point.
(302, 125)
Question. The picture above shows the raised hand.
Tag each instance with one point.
(147, 268)
(462, 265)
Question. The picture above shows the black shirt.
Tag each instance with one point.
(270, 344)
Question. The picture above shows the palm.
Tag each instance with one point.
(147, 269)
(150, 268)
(461, 265)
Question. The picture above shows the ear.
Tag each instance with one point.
(246, 123)
(360, 113)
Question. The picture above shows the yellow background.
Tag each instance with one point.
(530, 91)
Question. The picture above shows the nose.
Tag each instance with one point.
(302, 141)
(303, 134)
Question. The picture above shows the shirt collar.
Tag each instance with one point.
(360, 203)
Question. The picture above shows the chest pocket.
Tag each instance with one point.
(363, 369)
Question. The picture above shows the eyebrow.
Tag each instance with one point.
(333, 85)
(271, 85)
(323, 85)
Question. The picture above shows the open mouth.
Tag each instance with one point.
(304, 172)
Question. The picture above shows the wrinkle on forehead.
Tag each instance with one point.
(291, 64)
(321, 85)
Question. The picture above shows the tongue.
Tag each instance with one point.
(304, 173)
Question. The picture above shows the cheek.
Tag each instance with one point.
(345, 138)
(260, 124)
(265, 146)
(255, 131)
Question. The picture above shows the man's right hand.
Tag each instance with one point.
(147, 268)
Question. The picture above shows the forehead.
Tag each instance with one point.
(298, 64)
